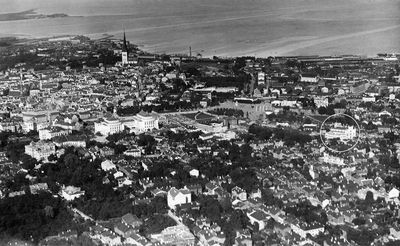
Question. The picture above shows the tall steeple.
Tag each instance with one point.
(125, 46)
(124, 53)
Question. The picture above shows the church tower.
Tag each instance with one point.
(124, 51)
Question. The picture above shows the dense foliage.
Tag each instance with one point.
(33, 217)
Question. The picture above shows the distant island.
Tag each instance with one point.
(28, 14)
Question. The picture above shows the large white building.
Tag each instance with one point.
(341, 132)
(40, 150)
(141, 122)
(178, 197)
(51, 132)
(108, 126)
(36, 120)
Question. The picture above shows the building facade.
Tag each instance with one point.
(51, 132)
(178, 197)
(142, 122)
(108, 126)
(341, 132)
(40, 150)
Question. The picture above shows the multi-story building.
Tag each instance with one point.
(178, 197)
(341, 132)
(51, 132)
(9, 126)
(321, 101)
(141, 122)
(135, 152)
(261, 78)
(40, 150)
(73, 140)
(36, 120)
(108, 126)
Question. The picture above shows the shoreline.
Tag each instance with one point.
(29, 15)
(288, 48)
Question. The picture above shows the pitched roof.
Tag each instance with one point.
(259, 215)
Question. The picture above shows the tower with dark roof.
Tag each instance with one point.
(124, 51)
(125, 46)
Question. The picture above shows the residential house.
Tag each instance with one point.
(178, 197)
(69, 193)
(258, 217)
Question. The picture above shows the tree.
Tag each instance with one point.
(246, 150)
(156, 223)
(369, 198)
(246, 179)
(330, 110)
(307, 121)
(263, 133)
(192, 71)
(210, 208)
(71, 160)
(146, 140)
(322, 110)
(28, 162)
(29, 216)
(49, 211)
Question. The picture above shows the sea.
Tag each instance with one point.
(227, 28)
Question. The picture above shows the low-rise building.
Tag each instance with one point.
(175, 235)
(334, 160)
(69, 193)
(105, 236)
(36, 188)
(239, 193)
(259, 218)
(302, 229)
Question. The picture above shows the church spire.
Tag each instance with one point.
(125, 46)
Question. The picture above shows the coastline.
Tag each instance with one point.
(29, 14)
